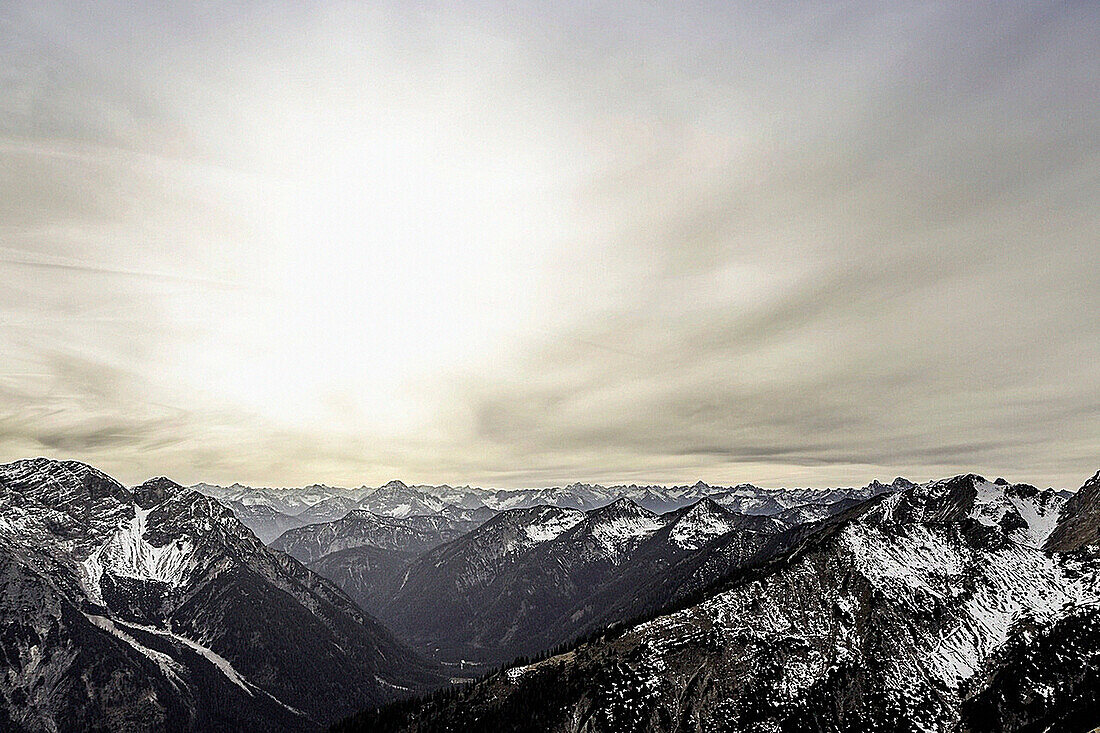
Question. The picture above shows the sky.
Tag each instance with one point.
(528, 244)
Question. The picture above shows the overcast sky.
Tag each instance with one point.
(521, 245)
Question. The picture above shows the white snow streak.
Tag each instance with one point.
(167, 665)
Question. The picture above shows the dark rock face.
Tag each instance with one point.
(1080, 522)
(1044, 679)
(155, 609)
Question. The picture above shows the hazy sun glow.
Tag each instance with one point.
(388, 240)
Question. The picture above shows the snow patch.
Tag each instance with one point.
(994, 502)
(168, 666)
(211, 656)
(619, 532)
(126, 553)
(551, 526)
(698, 527)
(515, 673)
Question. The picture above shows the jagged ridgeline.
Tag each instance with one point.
(474, 585)
(959, 605)
(153, 608)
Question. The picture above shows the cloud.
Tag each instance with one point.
(521, 246)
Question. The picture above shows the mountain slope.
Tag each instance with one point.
(362, 528)
(914, 611)
(1079, 522)
(448, 588)
(182, 615)
(531, 579)
(366, 554)
(369, 575)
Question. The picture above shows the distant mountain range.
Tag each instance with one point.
(270, 512)
(472, 587)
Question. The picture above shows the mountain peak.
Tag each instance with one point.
(623, 506)
(155, 490)
(620, 524)
(701, 522)
(1020, 512)
(963, 479)
(706, 505)
(55, 483)
(898, 484)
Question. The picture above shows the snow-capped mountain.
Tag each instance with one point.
(319, 503)
(533, 578)
(327, 510)
(608, 533)
(749, 499)
(958, 605)
(703, 521)
(289, 501)
(154, 608)
(395, 499)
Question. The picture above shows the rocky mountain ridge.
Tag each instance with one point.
(957, 605)
(155, 608)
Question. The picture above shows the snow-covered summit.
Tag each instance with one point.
(1024, 513)
(700, 523)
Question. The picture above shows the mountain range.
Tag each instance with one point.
(470, 592)
(954, 605)
(957, 605)
(269, 511)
